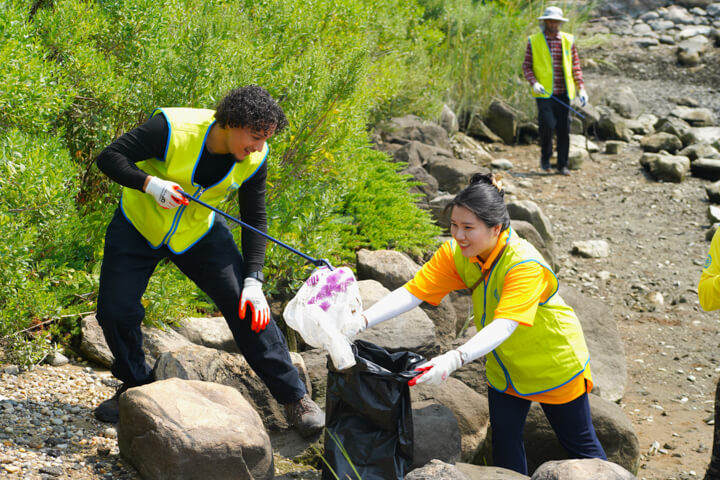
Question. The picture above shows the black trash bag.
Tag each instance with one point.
(368, 414)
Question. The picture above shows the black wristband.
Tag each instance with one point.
(257, 276)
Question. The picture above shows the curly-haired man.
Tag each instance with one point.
(208, 154)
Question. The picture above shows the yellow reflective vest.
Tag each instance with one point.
(543, 65)
(537, 358)
(182, 227)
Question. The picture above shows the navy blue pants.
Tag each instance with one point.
(571, 422)
(553, 116)
(216, 266)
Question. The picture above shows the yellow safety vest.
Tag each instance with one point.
(535, 359)
(543, 65)
(182, 227)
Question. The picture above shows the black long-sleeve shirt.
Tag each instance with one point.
(148, 140)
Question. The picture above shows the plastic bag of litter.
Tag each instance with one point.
(327, 313)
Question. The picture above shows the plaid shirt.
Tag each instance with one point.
(555, 45)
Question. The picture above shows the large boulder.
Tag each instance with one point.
(656, 142)
(427, 185)
(211, 332)
(696, 117)
(478, 129)
(468, 149)
(607, 354)
(478, 472)
(668, 168)
(469, 408)
(155, 341)
(581, 468)
(196, 362)
(691, 50)
(436, 470)
(700, 150)
(411, 331)
(612, 126)
(177, 429)
(527, 231)
(417, 154)
(672, 125)
(622, 100)
(436, 434)
(706, 168)
(528, 211)
(452, 174)
(439, 210)
(406, 129)
(503, 120)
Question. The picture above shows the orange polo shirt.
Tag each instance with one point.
(524, 287)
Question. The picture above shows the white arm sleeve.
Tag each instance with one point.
(391, 305)
(487, 339)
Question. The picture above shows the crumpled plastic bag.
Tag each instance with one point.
(327, 313)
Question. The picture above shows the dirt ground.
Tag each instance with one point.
(656, 233)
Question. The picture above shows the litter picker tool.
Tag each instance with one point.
(568, 106)
(318, 262)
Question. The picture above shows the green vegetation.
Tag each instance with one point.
(78, 73)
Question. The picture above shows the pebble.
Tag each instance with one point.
(47, 428)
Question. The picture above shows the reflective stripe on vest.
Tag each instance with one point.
(535, 359)
(182, 227)
(543, 65)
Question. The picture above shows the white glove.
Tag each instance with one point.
(164, 193)
(583, 96)
(539, 89)
(253, 296)
(438, 369)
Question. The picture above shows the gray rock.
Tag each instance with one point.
(696, 117)
(178, 429)
(709, 135)
(668, 168)
(661, 25)
(622, 100)
(611, 126)
(641, 30)
(656, 142)
(713, 10)
(392, 269)
(529, 211)
(581, 468)
(196, 362)
(439, 210)
(690, 51)
(478, 129)
(614, 147)
(678, 15)
(412, 330)
(713, 192)
(501, 164)
(436, 434)
(452, 175)
(672, 125)
(57, 359)
(667, 40)
(210, 332)
(607, 354)
(448, 120)
(436, 470)
(591, 248)
(417, 154)
(405, 129)
(581, 141)
(477, 472)
(528, 232)
(576, 157)
(467, 148)
(428, 186)
(700, 150)
(649, 41)
(469, 408)
(706, 168)
(503, 120)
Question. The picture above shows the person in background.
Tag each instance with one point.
(709, 295)
(208, 154)
(536, 347)
(552, 67)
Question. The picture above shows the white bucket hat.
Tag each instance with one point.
(553, 13)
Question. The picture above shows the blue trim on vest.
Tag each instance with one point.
(197, 161)
(212, 217)
(557, 282)
(259, 165)
(541, 391)
(485, 283)
(167, 142)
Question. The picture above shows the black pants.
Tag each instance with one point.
(571, 422)
(216, 266)
(552, 115)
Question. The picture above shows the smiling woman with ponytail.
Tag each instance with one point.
(536, 347)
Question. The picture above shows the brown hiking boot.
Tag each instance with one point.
(306, 416)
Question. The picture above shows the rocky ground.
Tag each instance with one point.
(656, 232)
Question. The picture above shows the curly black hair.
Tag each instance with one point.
(250, 106)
